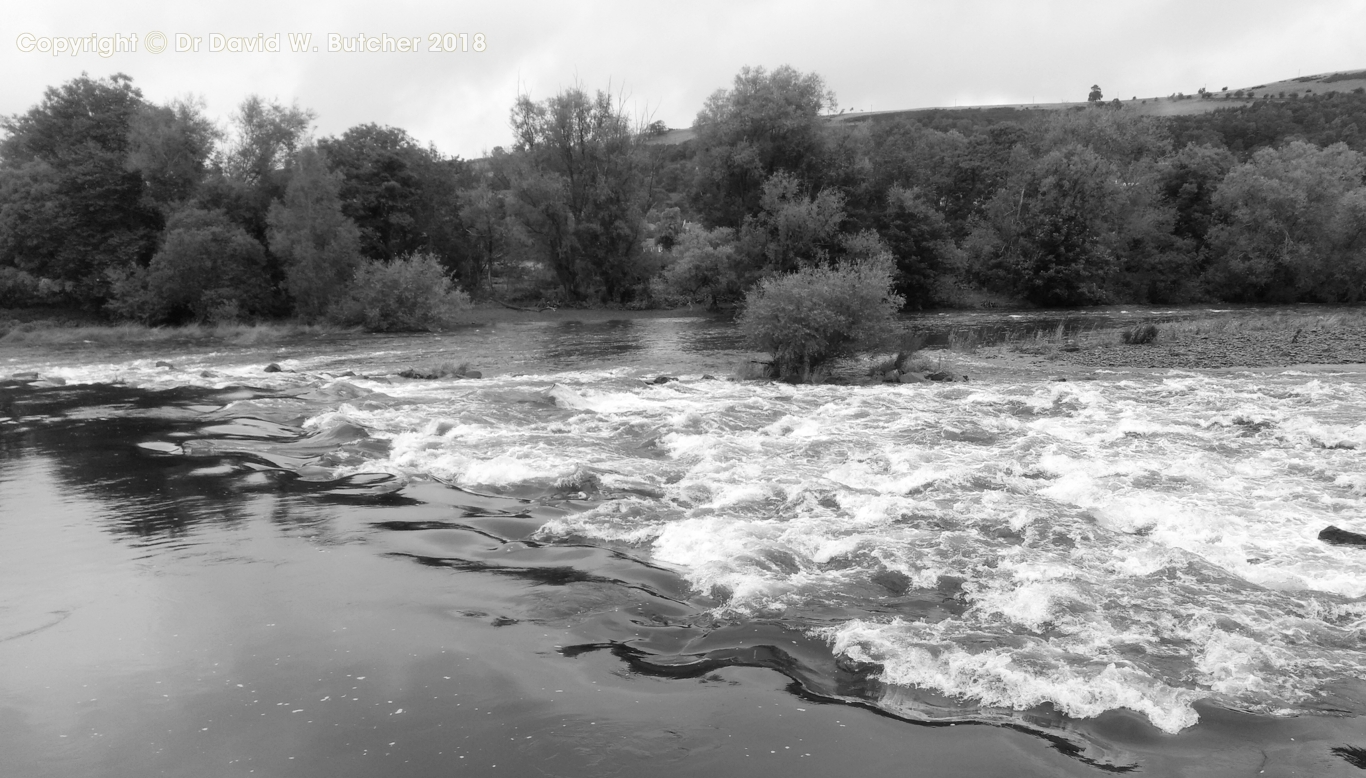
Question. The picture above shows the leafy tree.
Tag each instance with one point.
(70, 208)
(253, 167)
(582, 182)
(403, 196)
(207, 269)
(484, 213)
(792, 229)
(701, 268)
(918, 236)
(765, 123)
(170, 147)
(1049, 235)
(319, 245)
(1095, 96)
(1292, 225)
(1188, 181)
(264, 137)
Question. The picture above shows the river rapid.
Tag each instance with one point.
(1114, 572)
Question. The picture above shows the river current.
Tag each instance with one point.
(1117, 567)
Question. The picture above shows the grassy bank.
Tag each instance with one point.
(1257, 340)
(62, 327)
(46, 333)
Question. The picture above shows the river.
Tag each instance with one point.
(566, 568)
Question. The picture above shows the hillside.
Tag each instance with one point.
(1172, 105)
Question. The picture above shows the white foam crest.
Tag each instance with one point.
(914, 655)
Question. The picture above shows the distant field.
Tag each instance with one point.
(1322, 83)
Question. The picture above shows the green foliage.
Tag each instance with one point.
(207, 270)
(701, 268)
(808, 318)
(170, 147)
(792, 229)
(765, 123)
(319, 245)
(919, 236)
(1294, 224)
(402, 196)
(263, 139)
(484, 213)
(409, 294)
(70, 208)
(581, 184)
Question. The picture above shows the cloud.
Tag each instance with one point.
(668, 58)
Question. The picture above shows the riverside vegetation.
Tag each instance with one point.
(820, 230)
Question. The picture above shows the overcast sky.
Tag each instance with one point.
(667, 58)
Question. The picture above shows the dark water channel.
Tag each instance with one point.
(208, 571)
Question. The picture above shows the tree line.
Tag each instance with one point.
(155, 213)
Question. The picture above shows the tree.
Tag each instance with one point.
(207, 269)
(318, 244)
(765, 123)
(264, 138)
(170, 147)
(1095, 96)
(483, 211)
(792, 228)
(701, 267)
(70, 208)
(402, 196)
(919, 238)
(1049, 235)
(1188, 181)
(1292, 222)
(582, 181)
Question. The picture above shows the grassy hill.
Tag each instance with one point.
(1176, 104)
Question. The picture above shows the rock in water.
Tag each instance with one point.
(164, 363)
(1341, 537)
(273, 368)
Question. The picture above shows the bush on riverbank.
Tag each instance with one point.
(410, 294)
(817, 314)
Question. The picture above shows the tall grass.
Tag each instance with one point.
(43, 333)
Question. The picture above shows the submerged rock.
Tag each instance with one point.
(1341, 537)
(164, 363)
(911, 378)
(664, 379)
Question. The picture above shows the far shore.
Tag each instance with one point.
(1281, 340)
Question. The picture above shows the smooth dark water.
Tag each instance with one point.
(208, 570)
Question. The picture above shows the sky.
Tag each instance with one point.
(664, 60)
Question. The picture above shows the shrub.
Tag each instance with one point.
(207, 270)
(1142, 333)
(409, 294)
(817, 314)
(701, 268)
(18, 288)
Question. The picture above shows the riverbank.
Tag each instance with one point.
(68, 327)
(1285, 340)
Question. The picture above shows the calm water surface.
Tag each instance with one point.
(565, 569)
